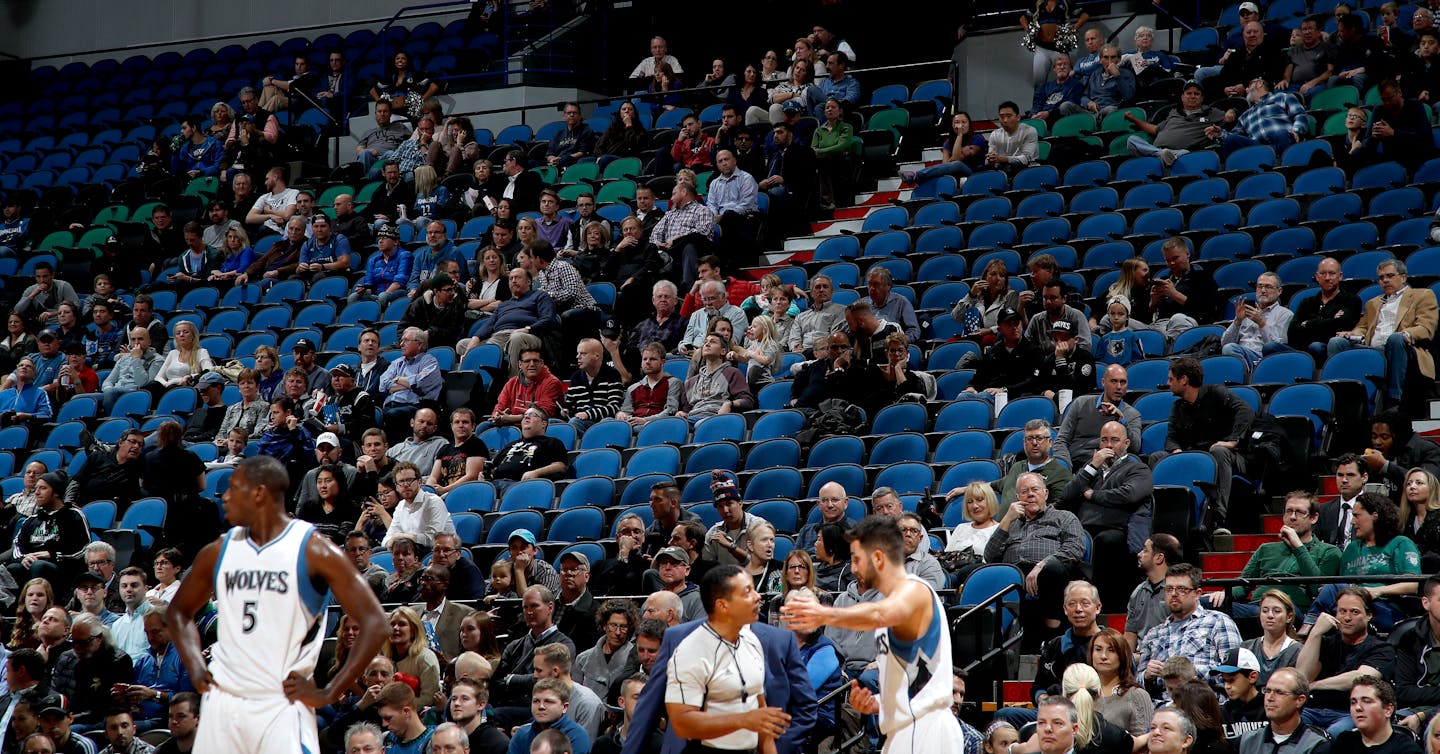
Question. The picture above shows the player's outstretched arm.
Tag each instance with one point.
(909, 600)
(192, 595)
(358, 602)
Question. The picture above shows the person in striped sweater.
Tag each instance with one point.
(595, 390)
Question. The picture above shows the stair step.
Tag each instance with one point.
(833, 227)
(1270, 523)
(932, 154)
(1249, 543)
(1224, 561)
(802, 243)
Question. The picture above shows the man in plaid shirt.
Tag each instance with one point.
(1046, 542)
(1274, 118)
(1203, 636)
(685, 231)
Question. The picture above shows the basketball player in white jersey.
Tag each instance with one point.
(913, 644)
(268, 575)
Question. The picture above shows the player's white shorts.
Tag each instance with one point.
(230, 723)
(935, 733)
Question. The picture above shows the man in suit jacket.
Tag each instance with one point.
(1351, 476)
(1394, 323)
(523, 186)
(1110, 495)
(787, 686)
(440, 616)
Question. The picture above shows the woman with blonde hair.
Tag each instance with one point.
(430, 198)
(762, 565)
(222, 117)
(981, 508)
(185, 362)
(1133, 285)
(527, 231)
(1276, 647)
(1094, 734)
(268, 373)
(1420, 498)
(408, 647)
(989, 296)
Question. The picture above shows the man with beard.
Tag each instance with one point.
(423, 445)
(1273, 118)
(1260, 328)
(463, 460)
(914, 689)
(1203, 636)
(1340, 650)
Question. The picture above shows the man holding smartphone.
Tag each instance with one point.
(1260, 328)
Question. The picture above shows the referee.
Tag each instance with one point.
(715, 686)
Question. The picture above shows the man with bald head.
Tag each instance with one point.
(664, 606)
(1108, 494)
(1079, 433)
(834, 505)
(1330, 310)
(1045, 542)
(350, 223)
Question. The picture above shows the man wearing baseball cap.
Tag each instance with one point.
(315, 377)
(1185, 129)
(673, 565)
(345, 410)
(1068, 365)
(575, 611)
(387, 273)
(205, 420)
(1244, 709)
(327, 456)
(1011, 361)
(530, 570)
(725, 540)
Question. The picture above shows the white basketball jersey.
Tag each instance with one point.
(915, 676)
(269, 613)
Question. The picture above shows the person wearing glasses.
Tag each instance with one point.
(87, 672)
(534, 455)
(110, 475)
(90, 594)
(1203, 636)
(1410, 315)
(419, 514)
(1285, 733)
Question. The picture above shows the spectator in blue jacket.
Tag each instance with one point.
(574, 141)
(387, 275)
(1110, 87)
(14, 227)
(427, 260)
(325, 252)
(197, 153)
(838, 85)
(519, 322)
(1060, 96)
(23, 402)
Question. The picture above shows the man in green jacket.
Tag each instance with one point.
(1298, 553)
